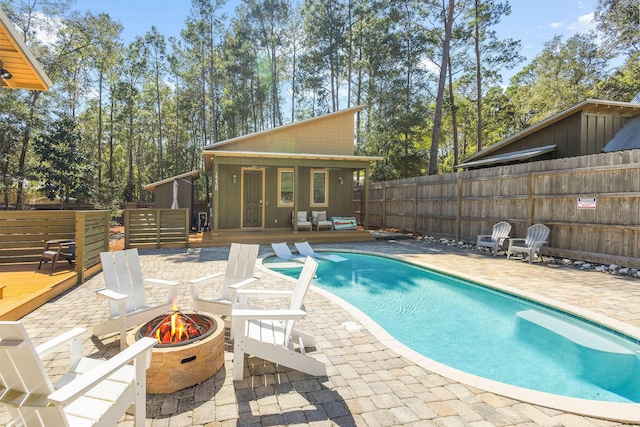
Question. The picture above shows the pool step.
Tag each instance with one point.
(596, 357)
(578, 335)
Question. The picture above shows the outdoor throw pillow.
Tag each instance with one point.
(322, 216)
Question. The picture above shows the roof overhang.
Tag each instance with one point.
(590, 106)
(193, 175)
(19, 61)
(516, 156)
(258, 159)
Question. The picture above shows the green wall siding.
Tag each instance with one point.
(340, 196)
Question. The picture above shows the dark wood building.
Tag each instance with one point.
(583, 129)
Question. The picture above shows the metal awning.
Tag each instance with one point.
(515, 156)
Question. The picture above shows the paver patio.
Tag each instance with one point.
(368, 384)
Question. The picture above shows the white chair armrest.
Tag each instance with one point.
(81, 384)
(483, 237)
(265, 293)
(240, 314)
(516, 240)
(209, 277)
(170, 283)
(246, 282)
(112, 295)
(60, 341)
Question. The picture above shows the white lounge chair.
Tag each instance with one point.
(302, 220)
(536, 236)
(270, 334)
(91, 393)
(128, 306)
(239, 272)
(304, 248)
(282, 251)
(319, 219)
(494, 240)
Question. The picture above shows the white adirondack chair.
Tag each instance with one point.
(128, 306)
(92, 393)
(270, 334)
(536, 236)
(494, 240)
(238, 273)
(282, 251)
(305, 249)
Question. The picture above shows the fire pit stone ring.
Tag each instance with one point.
(175, 367)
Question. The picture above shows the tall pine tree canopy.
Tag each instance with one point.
(428, 72)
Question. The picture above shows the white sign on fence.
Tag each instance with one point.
(586, 203)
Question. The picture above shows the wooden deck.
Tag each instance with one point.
(26, 289)
(266, 237)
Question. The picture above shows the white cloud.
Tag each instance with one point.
(583, 24)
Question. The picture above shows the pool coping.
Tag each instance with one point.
(614, 411)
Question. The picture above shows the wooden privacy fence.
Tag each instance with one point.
(590, 203)
(156, 228)
(24, 233)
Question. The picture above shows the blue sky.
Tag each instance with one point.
(532, 22)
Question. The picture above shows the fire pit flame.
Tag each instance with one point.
(176, 327)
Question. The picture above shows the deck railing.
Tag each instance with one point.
(23, 235)
(156, 228)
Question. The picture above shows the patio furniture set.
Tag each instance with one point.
(319, 219)
(96, 392)
(537, 235)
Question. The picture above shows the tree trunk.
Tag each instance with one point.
(26, 136)
(99, 136)
(111, 137)
(454, 119)
(437, 119)
(478, 77)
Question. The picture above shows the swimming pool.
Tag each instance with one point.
(486, 333)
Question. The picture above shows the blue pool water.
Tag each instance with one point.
(484, 332)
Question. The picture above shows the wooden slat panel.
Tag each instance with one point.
(524, 194)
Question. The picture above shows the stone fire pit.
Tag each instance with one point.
(177, 366)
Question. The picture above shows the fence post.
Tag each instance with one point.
(415, 206)
(127, 228)
(531, 198)
(384, 203)
(158, 219)
(187, 227)
(107, 221)
(459, 209)
(80, 229)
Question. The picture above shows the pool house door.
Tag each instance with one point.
(252, 197)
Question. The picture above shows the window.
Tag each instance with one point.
(285, 187)
(319, 187)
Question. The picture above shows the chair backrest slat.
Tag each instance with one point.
(299, 292)
(22, 374)
(536, 234)
(122, 273)
(501, 231)
(240, 266)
